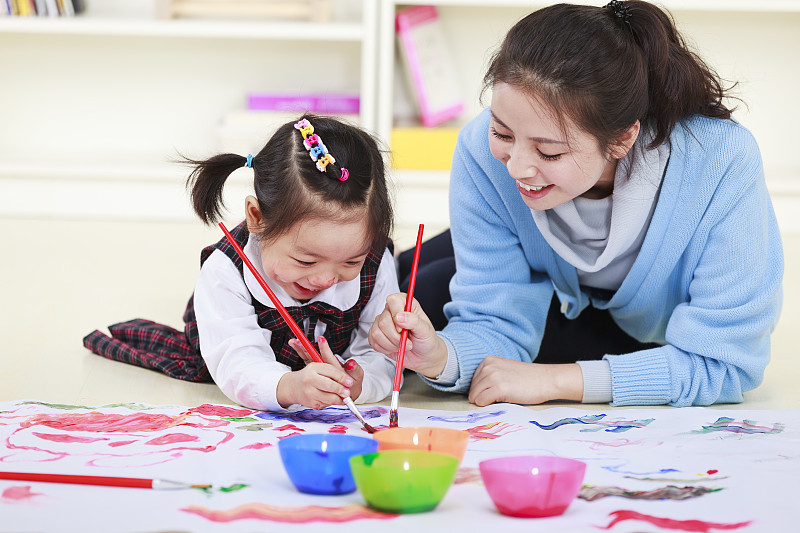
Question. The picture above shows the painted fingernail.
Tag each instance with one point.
(321, 340)
(350, 364)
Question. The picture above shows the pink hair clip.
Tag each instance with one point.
(345, 174)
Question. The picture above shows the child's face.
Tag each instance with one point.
(316, 254)
(548, 171)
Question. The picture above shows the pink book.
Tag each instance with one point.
(314, 103)
(428, 64)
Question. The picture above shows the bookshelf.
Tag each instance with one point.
(98, 106)
(753, 41)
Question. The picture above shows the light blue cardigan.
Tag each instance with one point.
(706, 283)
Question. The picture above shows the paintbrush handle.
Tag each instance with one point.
(107, 481)
(401, 349)
(310, 350)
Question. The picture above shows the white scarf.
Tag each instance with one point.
(601, 238)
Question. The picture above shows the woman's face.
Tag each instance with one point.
(548, 168)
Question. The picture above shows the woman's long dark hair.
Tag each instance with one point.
(605, 69)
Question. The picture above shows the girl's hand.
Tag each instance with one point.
(318, 385)
(425, 352)
(498, 379)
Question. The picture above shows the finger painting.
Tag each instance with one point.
(689, 469)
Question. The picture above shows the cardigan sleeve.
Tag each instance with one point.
(499, 303)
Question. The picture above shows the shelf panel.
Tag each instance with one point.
(684, 5)
(288, 31)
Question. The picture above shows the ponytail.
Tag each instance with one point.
(680, 83)
(206, 182)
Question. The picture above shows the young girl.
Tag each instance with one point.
(317, 230)
(608, 214)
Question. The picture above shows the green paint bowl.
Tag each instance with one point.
(403, 481)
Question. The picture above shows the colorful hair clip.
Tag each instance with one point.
(316, 148)
(249, 162)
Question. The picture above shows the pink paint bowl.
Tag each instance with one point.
(403, 481)
(532, 485)
(319, 463)
(430, 439)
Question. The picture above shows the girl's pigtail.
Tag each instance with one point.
(207, 180)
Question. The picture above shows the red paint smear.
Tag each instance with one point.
(172, 438)
(19, 493)
(105, 422)
(289, 427)
(220, 410)
(338, 428)
(697, 526)
(66, 438)
(290, 515)
(121, 443)
(712, 472)
(256, 446)
(289, 435)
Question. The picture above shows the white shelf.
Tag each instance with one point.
(335, 31)
(684, 5)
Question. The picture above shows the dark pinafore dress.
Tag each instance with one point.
(176, 353)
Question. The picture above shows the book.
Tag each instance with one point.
(428, 65)
(313, 103)
(419, 148)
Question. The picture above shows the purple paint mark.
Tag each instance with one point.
(468, 419)
(609, 426)
(329, 415)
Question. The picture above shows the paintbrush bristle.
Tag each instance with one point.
(393, 418)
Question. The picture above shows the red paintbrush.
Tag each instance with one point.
(107, 481)
(401, 350)
(310, 350)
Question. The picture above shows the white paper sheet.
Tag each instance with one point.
(749, 459)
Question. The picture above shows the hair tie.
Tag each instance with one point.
(620, 10)
(316, 148)
(249, 162)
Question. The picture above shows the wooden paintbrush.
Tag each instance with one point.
(310, 350)
(401, 350)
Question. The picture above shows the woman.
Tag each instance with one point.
(607, 214)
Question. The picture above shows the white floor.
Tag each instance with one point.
(61, 279)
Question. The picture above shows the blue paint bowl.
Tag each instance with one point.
(320, 463)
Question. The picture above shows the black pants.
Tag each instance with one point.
(589, 336)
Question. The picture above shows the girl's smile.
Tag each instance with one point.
(315, 255)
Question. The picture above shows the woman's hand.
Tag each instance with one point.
(425, 352)
(318, 385)
(498, 379)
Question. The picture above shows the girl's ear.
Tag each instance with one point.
(624, 142)
(252, 214)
